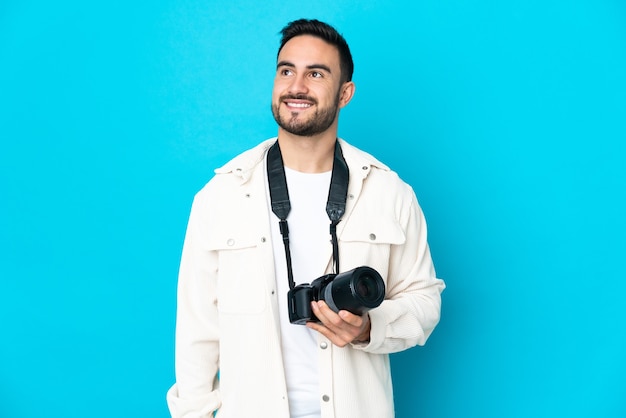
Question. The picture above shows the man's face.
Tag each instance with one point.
(306, 96)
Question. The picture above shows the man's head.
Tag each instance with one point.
(311, 84)
(325, 32)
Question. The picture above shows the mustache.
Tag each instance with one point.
(298, 97)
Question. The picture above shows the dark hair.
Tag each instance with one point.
(325, 32)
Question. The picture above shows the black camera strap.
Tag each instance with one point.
(281, 206)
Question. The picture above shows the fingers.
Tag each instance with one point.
(335, 320)
(341, 329)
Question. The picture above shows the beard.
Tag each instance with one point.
(319, 122)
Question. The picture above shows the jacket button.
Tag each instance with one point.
(230, 242)
(373, 237)
(323, 345)
(326, 398)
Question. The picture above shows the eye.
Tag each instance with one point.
(285, 71)
(317, 74)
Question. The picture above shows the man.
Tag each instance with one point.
(237, 351)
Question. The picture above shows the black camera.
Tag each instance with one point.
(356, 291)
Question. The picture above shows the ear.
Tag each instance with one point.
(347, 92)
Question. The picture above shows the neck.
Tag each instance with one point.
(307, 154)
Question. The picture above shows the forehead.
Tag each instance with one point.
(307, 50)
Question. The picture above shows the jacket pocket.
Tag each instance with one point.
(240, 279)
(369, 243)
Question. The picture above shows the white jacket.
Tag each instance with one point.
(228, 351)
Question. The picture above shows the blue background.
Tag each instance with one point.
(508, 118)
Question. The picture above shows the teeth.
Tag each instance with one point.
(300, 105)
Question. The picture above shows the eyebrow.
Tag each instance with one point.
(309, 67)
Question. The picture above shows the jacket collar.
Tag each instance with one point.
(244, 164)
(359, 161)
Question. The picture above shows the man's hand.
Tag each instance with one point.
(340, 328)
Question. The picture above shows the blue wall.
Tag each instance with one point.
(508, 118)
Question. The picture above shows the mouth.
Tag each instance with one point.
(298, 104)
(292, 105)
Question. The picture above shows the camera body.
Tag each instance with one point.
(356, 291)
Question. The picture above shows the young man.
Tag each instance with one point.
(237, 350)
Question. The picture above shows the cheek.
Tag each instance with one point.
(277, 91)
(331, 93)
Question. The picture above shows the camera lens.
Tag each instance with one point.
(357, 291)
(366, 287)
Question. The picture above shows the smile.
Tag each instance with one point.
(296, 105)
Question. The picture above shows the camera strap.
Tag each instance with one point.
(281, 206)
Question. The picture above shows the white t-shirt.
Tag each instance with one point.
(311, 251)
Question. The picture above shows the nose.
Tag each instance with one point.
(298, 85)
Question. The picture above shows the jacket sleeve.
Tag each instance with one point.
(412, 305)
(196, 393)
